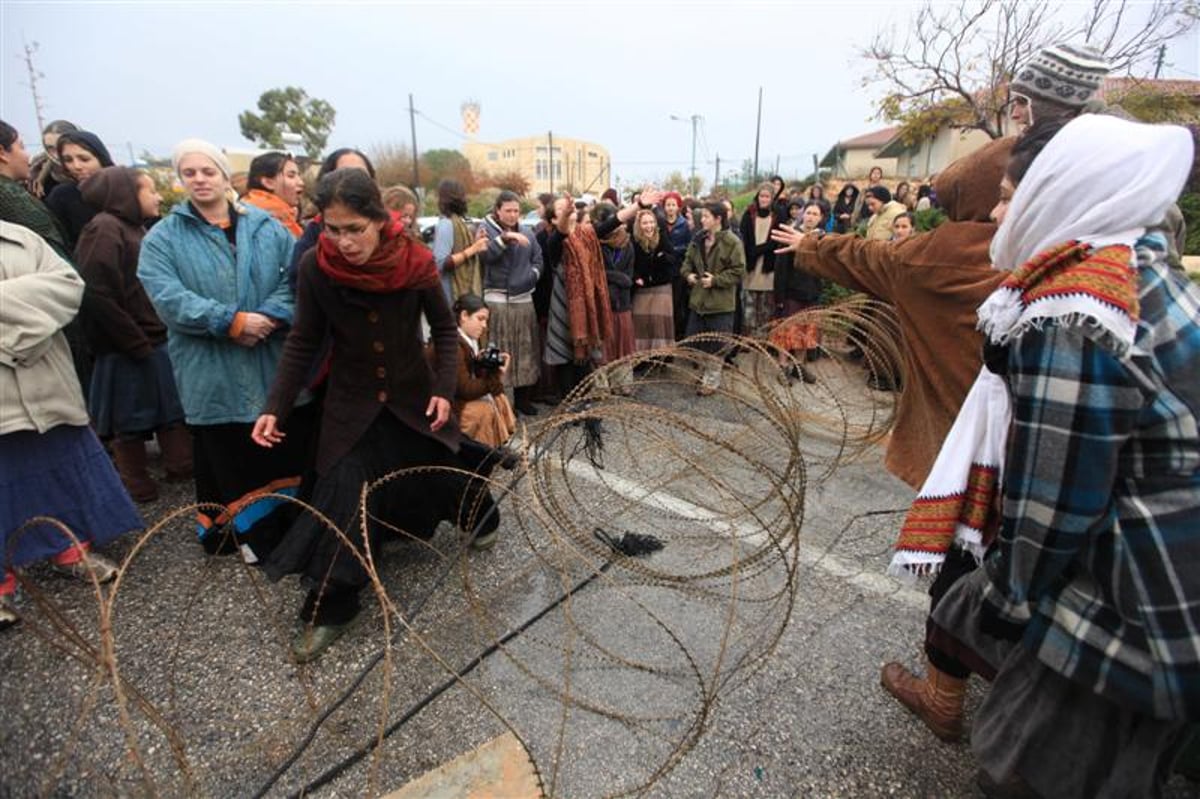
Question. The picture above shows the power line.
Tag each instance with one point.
(437, 124)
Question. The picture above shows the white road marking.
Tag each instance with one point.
(811, 556)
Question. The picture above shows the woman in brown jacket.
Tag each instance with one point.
(385, 408)
(480, 406)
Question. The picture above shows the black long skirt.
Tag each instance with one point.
(411, 505)
(232, 471)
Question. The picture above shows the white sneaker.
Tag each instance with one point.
(91, 563)
(8, 615)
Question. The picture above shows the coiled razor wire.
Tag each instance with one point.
(556, 636)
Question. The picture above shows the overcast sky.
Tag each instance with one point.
(144, 75)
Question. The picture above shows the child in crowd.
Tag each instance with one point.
(133, 394)
(902, 227)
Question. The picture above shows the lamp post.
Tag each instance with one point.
(694, 118)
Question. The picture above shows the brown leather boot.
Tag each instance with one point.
(936, 700)
(130, 456)
(176, 445)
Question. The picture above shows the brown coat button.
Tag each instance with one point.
(373, 317)
(378, 346)
(382, 396)
(380, 372)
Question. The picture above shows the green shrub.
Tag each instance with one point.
(833, 293)
(480, 205)
(928, 219)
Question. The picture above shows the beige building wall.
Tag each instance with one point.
(582, 165)
(936, 153)
(857, 164)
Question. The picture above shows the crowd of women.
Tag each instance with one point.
(1048, 416)
(276, 356)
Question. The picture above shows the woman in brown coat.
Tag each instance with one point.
(385, 408)
(480, 406)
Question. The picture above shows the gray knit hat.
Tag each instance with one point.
(1065, 74)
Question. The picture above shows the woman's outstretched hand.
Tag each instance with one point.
(788, 237)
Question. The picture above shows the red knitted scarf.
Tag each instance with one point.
(398, 262)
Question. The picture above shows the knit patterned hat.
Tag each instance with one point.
(1064, 74)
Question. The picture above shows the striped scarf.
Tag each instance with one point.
(959, 504)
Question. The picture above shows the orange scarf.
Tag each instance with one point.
(283, 213)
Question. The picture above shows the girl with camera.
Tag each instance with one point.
(483, 411)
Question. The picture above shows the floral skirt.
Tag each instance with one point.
(795, 335)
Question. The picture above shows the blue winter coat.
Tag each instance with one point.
(197, 285)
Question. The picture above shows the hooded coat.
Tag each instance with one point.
(66, 200)
(117, 313)
(936, 281)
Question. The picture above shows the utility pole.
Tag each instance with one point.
(694, 119)
(776, 163)
(816, 171)
(692, 181)
(412, 121)
(757, 133)
(38, 107)
(717, 172)
(1158, 64)
(550, 162)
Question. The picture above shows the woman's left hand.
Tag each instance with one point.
(504, 359)
(439, 411)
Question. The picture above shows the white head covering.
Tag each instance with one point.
(202, 147)
(1101, 180)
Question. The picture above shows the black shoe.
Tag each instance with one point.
(813, 355)
(509, 460)
(527, 409)
(1011, 787)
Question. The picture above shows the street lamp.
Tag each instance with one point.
(694, 118)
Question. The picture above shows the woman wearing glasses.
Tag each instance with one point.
(386, 407)
(216, 273)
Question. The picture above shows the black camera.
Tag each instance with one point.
(490, 360)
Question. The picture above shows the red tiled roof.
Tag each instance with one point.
(1167, 86)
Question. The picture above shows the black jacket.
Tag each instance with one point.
(766, 249)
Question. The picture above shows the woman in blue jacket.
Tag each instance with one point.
(216, 273)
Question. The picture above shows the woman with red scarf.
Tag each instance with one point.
(385, 408)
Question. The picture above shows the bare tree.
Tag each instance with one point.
(953, 63)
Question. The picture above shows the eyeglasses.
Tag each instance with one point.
(347, 231)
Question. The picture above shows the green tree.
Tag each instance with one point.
(292, 109)
(439, 164)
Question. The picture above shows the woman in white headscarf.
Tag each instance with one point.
(1085, 609)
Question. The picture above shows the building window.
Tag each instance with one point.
(593, 154)
(492, 155)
